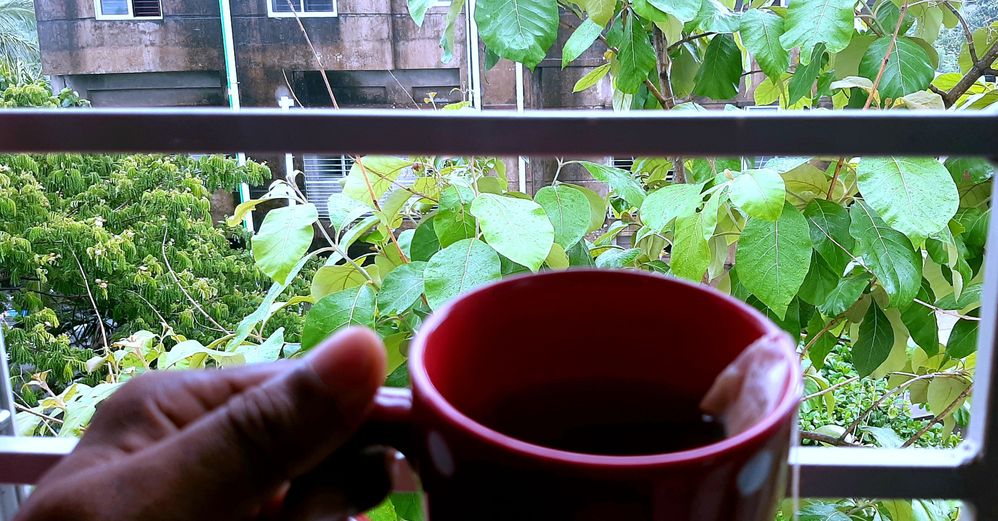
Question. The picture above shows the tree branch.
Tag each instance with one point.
(939, 417)
(976, 71)
(830, 389)
(690, 39)
(967, 33)
(184, 290)
(887, 55)
(824, 438)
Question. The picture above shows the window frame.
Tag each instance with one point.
(965, 473)
(99, 13)
(271, 13)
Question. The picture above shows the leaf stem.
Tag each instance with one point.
(939, 417)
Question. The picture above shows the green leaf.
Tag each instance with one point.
(516, 228)
(716, 17)
(969, 170)
(381, 172)
(685, 67)
(284, 237)
(944, 391)
(810, 22)
(616, 259)
(804, 76)
(591, 78)
(354, 306)
(821, 512)
(887, 16)
(383, 512)
(417, 10)
(601, 11)
(620, 181)
(568, 210)
(447, 37)
(408, 505)
(819, 283)
(761, 31)
(984, 38)
(963, 338)
(690, 251)
(888, 439)
(518, 30)
(333, 279)
(401, 289)
(343, 210)
(684, 10)
(887, 253)
(908, 69)
(454, 221)
(711, 210)
(759, 193)
(597, 206)
(583, 37)
(772, 258)
(557, 258)
(916, 196)
(459, 268)
(424, 240)
(392, 205)
(721, 70)
(822, 346)
(921, 324)
(668, 203)
(644, 9)
(636, 58)
(268, 351)
(847, 61)
(829, 224)
(846, 292)
(579, 255)
(876, 338)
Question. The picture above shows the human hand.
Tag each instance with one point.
(255, 442)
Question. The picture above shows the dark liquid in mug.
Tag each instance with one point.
(607, 418)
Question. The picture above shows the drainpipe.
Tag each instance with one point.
(232, 88)
(521, 164)
(474, 67)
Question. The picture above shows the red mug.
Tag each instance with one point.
(542, 330)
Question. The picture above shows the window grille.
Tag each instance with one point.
(324, 175)
(128, 9)
(289, 8)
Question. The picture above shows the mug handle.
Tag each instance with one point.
(390, 423)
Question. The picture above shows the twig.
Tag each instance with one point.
(947, 311)
(36, 413)
(184, 290)
(975, 72)
(893, 392)
(939, 417)
(838, 168)
(817, 336)
(690, 39)
(100, 320)
(967, 33)
(887, 55)
(824, 438)
(829, 389)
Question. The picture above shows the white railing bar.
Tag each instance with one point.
(23, 460)
(538, 133)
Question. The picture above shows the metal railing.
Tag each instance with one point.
(963, 473)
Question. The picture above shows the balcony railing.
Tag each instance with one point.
(964, 473)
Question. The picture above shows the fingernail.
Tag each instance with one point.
(350, 364)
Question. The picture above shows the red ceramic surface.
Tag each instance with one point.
(589, 325)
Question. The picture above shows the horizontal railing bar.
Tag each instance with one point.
(824, 472)
(835, 472)
(538, 133)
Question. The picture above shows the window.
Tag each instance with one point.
(324, 176)
(288, 8)
(128, 9)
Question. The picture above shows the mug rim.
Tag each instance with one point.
(423, 385)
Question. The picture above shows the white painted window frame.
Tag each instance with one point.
(965, 473)
(99, 13)
(302, 13)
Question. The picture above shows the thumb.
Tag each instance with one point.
(282, 428)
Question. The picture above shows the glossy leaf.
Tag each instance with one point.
(597, 206)
(401, 289)
(333, 279)
(615, 258)
(516, 228)
(802, 82)
(458, 268)
(759, 193)
(811, 22)
(922, 325)
(668, 203)
(916, 196)
(963, 338)
(690, 251)
(684, 10)
(354, 306)
(620, 181)
(761, 31)
(424, 241)
(887, 253)
(518, 30)
(846, 292)
(908, 69)
(568, 210)
(876, 338)
(591, 78)
(772, 258)
(583, 37)
(343, 210)
(721, 70)
(823, 345)
(283, 239)
(829, 224)
(377, 176)
(417, 10)
(636, 58)
(601, 11)
(716, 17)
